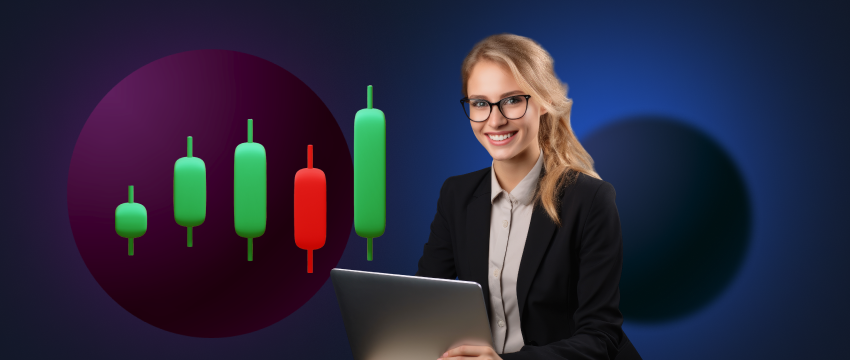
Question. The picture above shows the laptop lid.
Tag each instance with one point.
(391, 317)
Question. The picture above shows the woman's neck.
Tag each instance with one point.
(511, 171)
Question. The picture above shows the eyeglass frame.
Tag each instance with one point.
(498, 103)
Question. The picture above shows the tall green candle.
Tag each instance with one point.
(370, 173)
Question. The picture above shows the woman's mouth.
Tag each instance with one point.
(501, 139)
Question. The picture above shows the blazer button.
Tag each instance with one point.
(496, 273)
(501, 323)
(504, 223)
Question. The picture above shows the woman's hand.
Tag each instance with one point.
(467, 352)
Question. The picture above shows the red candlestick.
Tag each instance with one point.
(310, 208)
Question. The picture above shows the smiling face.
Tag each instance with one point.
(490, 81)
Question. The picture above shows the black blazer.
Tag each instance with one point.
(568, 282)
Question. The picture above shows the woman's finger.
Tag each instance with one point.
(466, 350)
(479, 357)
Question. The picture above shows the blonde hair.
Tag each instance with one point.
(532, 68)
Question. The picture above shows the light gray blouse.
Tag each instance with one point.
(510, 215)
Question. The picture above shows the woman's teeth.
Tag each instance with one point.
(501, 137)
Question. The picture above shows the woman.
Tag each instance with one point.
(539, 229)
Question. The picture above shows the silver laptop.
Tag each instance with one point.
(391, 317)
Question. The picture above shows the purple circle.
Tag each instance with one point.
(135, 135)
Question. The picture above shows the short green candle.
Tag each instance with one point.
(131, 221)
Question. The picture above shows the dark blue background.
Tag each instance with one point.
(767, 81)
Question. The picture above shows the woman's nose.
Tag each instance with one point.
(496, 118)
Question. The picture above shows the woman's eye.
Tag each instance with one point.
(478, 104)
(511, 100)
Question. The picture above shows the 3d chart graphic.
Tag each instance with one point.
(370, 173)
(190, 192)
(310, 208)
(131, 221)
(225, 189)
(249, 190)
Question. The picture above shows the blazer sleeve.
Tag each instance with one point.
(438, 259)
(598, 320)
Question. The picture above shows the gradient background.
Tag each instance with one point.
(768, 82)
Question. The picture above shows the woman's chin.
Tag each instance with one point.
(501, 154)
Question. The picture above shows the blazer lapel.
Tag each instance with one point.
(478, 237)
(540, 233)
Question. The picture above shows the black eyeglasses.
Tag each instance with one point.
(512, 107)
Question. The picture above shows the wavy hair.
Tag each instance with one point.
(532, 68)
